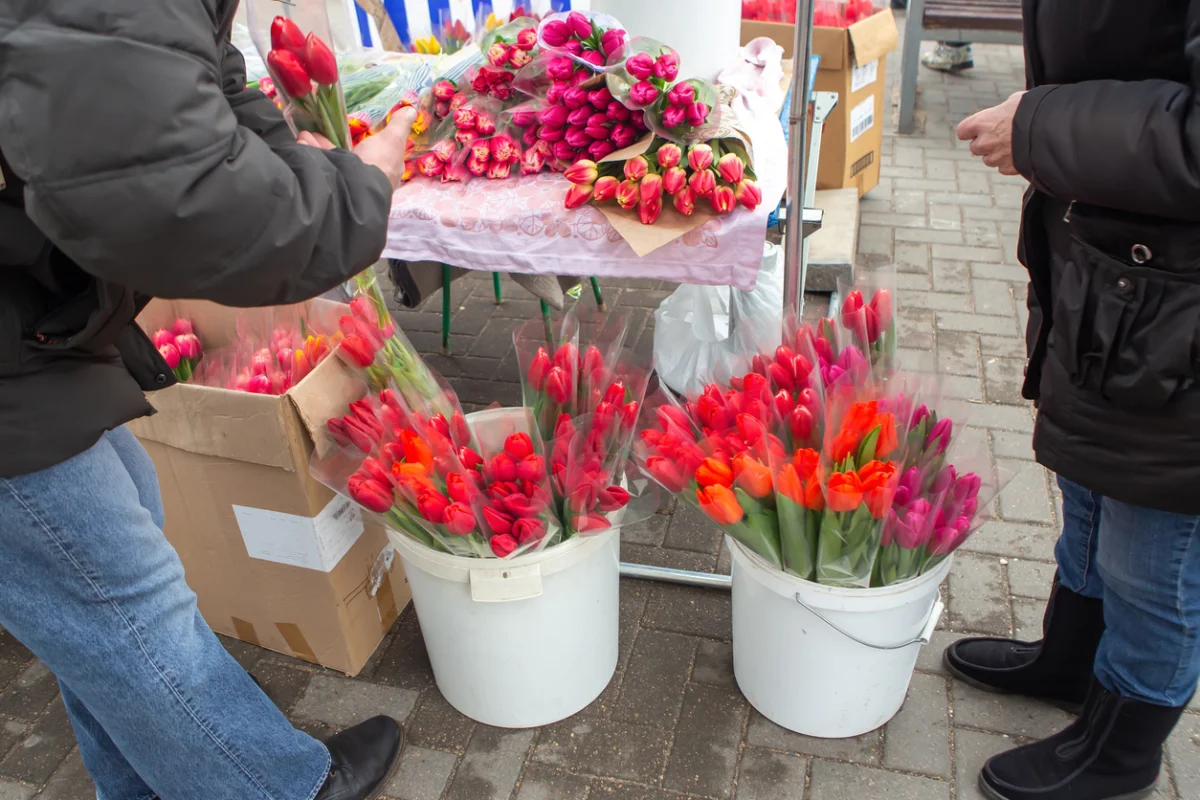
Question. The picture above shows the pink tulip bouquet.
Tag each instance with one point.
(180, 348)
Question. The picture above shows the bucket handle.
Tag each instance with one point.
(931, 622)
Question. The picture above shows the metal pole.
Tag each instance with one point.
(798, 164)
(682, 576)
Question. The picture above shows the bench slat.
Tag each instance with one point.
(990, 15)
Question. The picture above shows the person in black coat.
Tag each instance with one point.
(1108, 135)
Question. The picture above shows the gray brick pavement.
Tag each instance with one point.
(672, 726)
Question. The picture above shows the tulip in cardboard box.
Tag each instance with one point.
(276, 559)
(853, 66)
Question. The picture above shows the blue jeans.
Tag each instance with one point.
(90, 585)
(1145, 566)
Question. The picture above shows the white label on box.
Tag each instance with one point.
(862, 118)
(318, 542)
(864, 75)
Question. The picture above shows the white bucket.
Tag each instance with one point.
(827, 661)
(522, 642)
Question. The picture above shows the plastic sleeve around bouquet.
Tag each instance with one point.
(360, 87)
(968, 488)
(723, 476)
(511, 46)
(296, 46)
(549, 363)
(495, 156)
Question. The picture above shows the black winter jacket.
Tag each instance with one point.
(137, 165)
(1109, 138)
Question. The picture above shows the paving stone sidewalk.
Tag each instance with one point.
(672, 725)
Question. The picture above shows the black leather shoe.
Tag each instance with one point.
(1057, 669)
(1113, 751)
(363, 759)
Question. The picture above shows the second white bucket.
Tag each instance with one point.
(520, 642)
(826, 661)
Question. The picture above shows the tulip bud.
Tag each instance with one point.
(697, 114)
(640, 66)
(555, 33)
(622, 135)
(499, 170)
(648, 212)
(700, 157)
(643, 93)
(527, 39)
(498, 54)
(628, 194)
(320, 61)
(599, 150)
(722, 199)
(732, 168)
(503, 545)
(580, 25)
(748, 194)
(669, 155)
(636, 168)
(674, 180)
(881, 303)
(703, 182)
(682, 94)
(563, 151)
(583, 172)
(189, 347)
(651, 188)
(666, 66)
(605, 189)
(673, 117)
(289, 73)
(170, 354)
(577, 138)
(612, 42)
(163, 337)
(576, 98)
(558, 386)
(617, 112)
(685, 201)
(579, 194)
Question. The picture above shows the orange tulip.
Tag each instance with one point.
(721, 504)
(751, 475)
(415, 450)
(860, 420)
(413, 477)
(806, 461)
(788, 484)
(714, 473)
(888, 440)
(879, 486)
(844, 492)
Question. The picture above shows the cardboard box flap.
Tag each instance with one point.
(830, 45)
(251, 426)
(324, 393)
(874, 37)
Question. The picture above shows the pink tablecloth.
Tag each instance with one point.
(520, 225)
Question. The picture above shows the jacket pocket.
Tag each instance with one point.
(1127, 330)
(89, 322)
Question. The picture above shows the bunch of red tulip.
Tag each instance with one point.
(517, 53)
(305, 71)
(841, 13)
(665, 173)
(180, 348)
(769, 11)
(577, 34)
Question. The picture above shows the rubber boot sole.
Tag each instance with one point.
(952, 68)
(992, 794)
(1065, 705)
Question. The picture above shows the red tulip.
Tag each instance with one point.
(800, 423)
(538, 369)
(459, 520)
(358, 350)
(605, 188)
(321, 63)
(527, 39)
(503, 468)
(285, 35)
(370, 494)
(519, 446)
(589, 523)
(881, 304)
(748, 194)
(520, 505)
(289, 73)
(649, 212)
(529, 530)
(720, 504)
(851, 308)
(628, 194)
(558, 386)
(532, 468)
(566, 357)
(667, 473)
(651, 188)
(578, 195)
(636, 168)
(500, 522)
(674, 180)
(503, 545)
(469, 458)
(722, 199)
(432, 506)
(459, 488)
(613, 498)
(582, 172)
(700, 157)
(460, 431)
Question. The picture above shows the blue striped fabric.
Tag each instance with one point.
(364, 25)
(399, 15)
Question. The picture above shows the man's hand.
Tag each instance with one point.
(990, 134)
(384, 150)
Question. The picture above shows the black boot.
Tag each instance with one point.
(363, 759)
(1112, 752)
(1057, 669)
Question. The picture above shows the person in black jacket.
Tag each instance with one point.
(134, 164)
(1108, 135)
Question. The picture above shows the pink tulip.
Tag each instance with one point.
(577, 137)
(697, 114)
(939, 438)
(597, 133)
(682, 94)
(583, 172)
(477, 166)
(574, 47)
(524, 117)
(499, 170)
(652, 188)
(576, 97)
(553, 116)
(643, 93)
(504, 149)
(580, 25)
(600, 98)
(669, 155)
(189, 346)
(563, 151)
(533, 161)
(612, 42)
(182, 327)
(578, 195)
(666, 66)
(648, 212)
(601, 149)
(170, 354)
(555, 33)
(527, 39)
(685, 201)
(722, 199)
(163, 337)
(617, 112)
(622, 135)
(485, 125)
(636, 168)
(596, 59)
(628, 193)
(673, 117)
(530, 137)
(579, 117)
(552, 133)
(560, 68)
(640, 66)
(748, 194)
(498, 54)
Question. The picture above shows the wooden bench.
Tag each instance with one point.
(976, 21)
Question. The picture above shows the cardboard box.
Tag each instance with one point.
(853, 66)
(276, 559)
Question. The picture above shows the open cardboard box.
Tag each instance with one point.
(854, 67)
(276, 559)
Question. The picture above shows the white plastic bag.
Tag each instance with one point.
(706, 333)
